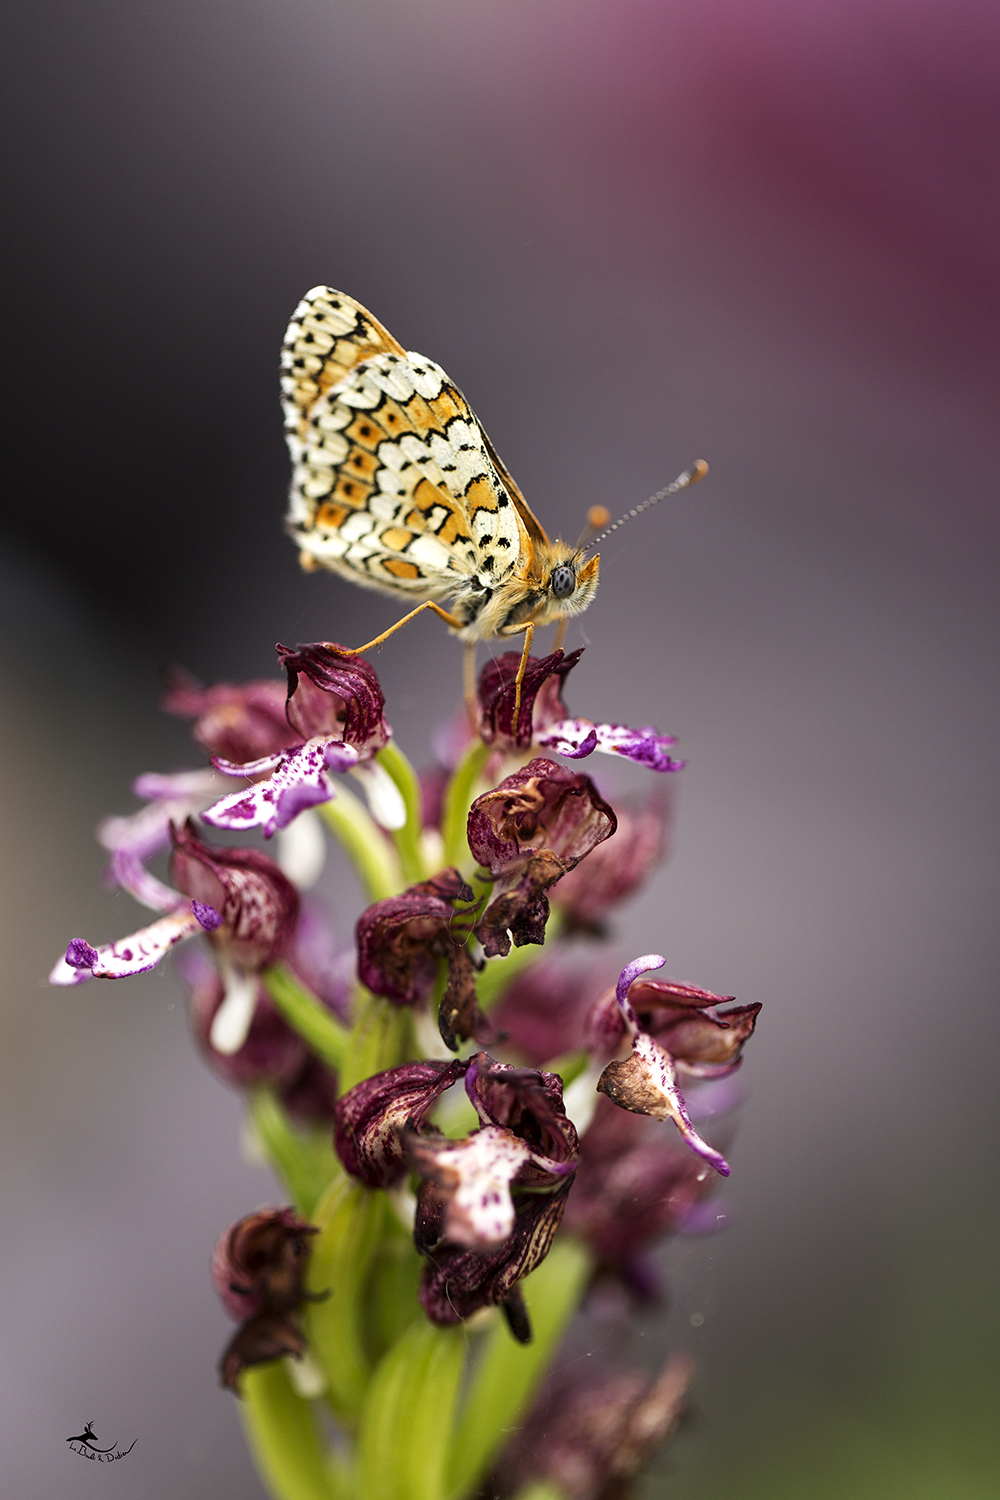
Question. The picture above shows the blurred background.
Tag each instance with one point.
(636, 234)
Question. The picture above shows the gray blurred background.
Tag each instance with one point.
(635, 234)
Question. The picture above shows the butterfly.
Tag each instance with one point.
(396, 486)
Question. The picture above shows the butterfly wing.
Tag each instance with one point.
(529, 520)
(329, 334)
(394, 485)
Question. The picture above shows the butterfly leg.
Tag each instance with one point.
(529, 631)
(427, 604)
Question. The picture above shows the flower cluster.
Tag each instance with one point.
(455, 1113)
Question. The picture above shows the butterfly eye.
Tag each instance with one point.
(562, 582)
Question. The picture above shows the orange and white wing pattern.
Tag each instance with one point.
(328, 335)
(394, 483)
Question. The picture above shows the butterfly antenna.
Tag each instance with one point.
(682, 482)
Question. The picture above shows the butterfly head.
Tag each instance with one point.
(569, 580)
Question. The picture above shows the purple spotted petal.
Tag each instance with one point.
(131, 955)
(299, 781)
(576, 738)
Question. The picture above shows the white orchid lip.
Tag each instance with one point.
(576, 738)
(646, 1082)
(298, 780)
(135, 954)
(231, 1022)
(476, 1175)
(385, 800)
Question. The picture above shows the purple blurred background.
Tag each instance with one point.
(763, 233)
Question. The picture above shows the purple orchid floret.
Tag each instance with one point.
(542, 718)
(335, 706)
(576, 738)
(705, 1042)
(170, 799)
(592, 1429)
(372, 1116)
(616, 869)
(633, 1187)
(646, 1082)
(402, 940)
(238, 897)
(489, 1205)
(258, 1269)
(258, 904)
(533, 828)
(541, 697)
(239, 723)
(331, 692)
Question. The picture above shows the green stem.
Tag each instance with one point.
(373, 858)
(305, 1171)
(457, 801)
(284, 1437)
(406, 1426)
(407, 838)
(350, 1219)
(329, 1038)
(540, 1489)
(509, 1373)
(378, 1040)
